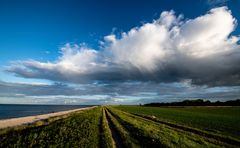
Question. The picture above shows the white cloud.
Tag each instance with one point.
(208, 34)
(154, 43)
(167, 49)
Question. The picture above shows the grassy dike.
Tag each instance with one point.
(79, 129)
(108, 127)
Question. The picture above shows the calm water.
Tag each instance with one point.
(13, 111)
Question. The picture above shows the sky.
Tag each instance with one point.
(118, 51)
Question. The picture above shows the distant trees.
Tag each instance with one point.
(198, 102)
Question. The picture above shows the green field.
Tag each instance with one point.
(131, 126)
(218, 120)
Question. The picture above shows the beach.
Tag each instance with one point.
(31, 119)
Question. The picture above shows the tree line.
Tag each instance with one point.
(198, 102)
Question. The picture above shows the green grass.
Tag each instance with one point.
(78, 130)
(219, 120)
(150, 133)
(129, 126)
(124, 135)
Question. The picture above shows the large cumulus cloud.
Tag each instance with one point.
(169, 49)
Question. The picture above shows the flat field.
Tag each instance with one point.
(218, 120)
(131, 126)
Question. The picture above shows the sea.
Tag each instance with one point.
(8, 111)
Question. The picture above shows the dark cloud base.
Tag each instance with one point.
(131, 92)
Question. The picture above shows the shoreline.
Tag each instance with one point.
(7, 123)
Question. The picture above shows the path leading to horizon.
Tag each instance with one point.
(117, 141)
(122, 126)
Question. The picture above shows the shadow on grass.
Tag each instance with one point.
(144, 139)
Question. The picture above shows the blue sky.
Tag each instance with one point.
(39, 39)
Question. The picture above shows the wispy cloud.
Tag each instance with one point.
(215, 3)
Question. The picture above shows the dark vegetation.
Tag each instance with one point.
(198, 102)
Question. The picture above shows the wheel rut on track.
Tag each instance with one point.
(117, 141)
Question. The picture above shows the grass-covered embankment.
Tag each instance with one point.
(79, 129)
